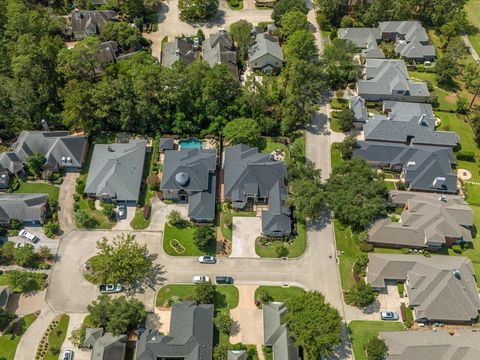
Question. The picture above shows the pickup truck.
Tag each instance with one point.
(110, 288)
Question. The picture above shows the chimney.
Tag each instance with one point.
(45, 125)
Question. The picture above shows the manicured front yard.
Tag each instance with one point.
(9, 343)
(279, 293)
(186, 246)
(348, 251)
(226, 217)
(57, 337)
(446, 99)
(296, 249)
(473, 13)
(42, 188)
(226, 297)
(362, 331)
(39, 281)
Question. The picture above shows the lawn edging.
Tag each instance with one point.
(9, 343)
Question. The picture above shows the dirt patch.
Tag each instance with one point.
(464, 174)
(452, 98)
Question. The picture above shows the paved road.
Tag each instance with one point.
(467, 42)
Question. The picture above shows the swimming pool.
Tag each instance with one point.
(192, 143)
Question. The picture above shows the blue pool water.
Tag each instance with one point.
(191, 143)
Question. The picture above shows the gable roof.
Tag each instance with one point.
(110, 347)
(166, 144)
(362, 37)
(116, 170)
(24, 207)
(415, 50)
(5, 293)
(404, 109)
(190, 336)
(428, 220)
(441, 288)
(426, 168)
(265, 44)
(275, 333)
(90, 22)
(107, 52)
(237, 355)
(59, 147)
(409, 30)
(179, 49)
(464, 344)
(91, 336)
(219, 49)
(359, 108)
(389, 77)
(11, 162)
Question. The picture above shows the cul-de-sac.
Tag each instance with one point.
(239, 180)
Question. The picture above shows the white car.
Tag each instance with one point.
(122, 212)
(67, 355)
(200, 279)
(207, 259)
(29, 236)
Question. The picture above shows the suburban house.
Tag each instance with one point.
(461, 344)
(62, 151)
(5, 293)
(219, 49)
(360, 111)
(437, 289)
(28, 208)
(11, 163)
(275, 332)
(252, 178)
(115, 172)
(190, 336)
(411, 38)
(237, 355)
(265, 54)
(386, 79)
(85, 23)
(105, 346)
(189, 176)
(421, 168)
(428, 221)
(365, 39)
(178, 49)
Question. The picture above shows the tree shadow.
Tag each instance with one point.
(372, 308)
(155, 278)
(220, 301)
(235, 328)
(324, 219)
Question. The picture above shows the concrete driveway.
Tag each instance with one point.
(124, 224)
(76, 320)
(28, 303)
(248, 320)
(160, 211)
(65, 202)
(244, 232)
(37, 230)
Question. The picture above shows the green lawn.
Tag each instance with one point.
(348, 252)
(362, 331)
(139, 222)
(103, 222)
(8, 344)
(55, 339)
(226, 297)
(185, 238)
(390, 185)
(226, 214)
(39, 283)
(295, 250)
(335, 156)
(334, 125)
(445, 103)
(272, 145)
(279, 293)
(473, 12)
(29, 187)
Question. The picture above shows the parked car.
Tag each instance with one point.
(224, 280)
(388, 315)
(207, 259)
(110, 288)
(29, 236)
(198, 279)
(122, 211)
(67, 355)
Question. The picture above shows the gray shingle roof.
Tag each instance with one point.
(5, 293)
(275, 333)
(86, 23)
(179, 49)
(4, 178)
(59, 147)
(116, 170)
(190, 336)
(107, 52)
(402, 109)
(110, 347)
(357, 105)
(250, 173)
(436, 291)
(265, 44)
(166, 144)
(237, 355)
(11, 162)
(422, 167)
(428, 220)
(362, 37)
(24, 207)
(91, 336)
(384, 77)
(219, 49)
(407, 30)
(463, 344)
(415, 50)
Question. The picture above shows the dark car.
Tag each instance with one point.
(224, 280)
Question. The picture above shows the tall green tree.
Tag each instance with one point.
(127, 36)
(333, 10)
(204, 293)
(197, 10)
(301, 45)
(82, 61)
(281, 7)
(242, 131)
(35, 163)
(241, 31)
(376, 349)
(293, 21)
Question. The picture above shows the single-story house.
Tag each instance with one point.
(265, 53)
(85, 23)
(275, 332)
(115, 172)
(427, 221)
(438, 288)
(62, 151)
(28, 208)
(219, 49)
(252, 178)
(105, 346)
(386, 79)
(415, 51)
(179, 49)
(189, 176)
(5, 293)
(421, 168)
(190, 336)
(460, 344)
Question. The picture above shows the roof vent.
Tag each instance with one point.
(443, 198)
(4, 176)
(69, 159)
(439, 181)
(456, 273)
(63, 159)
(181, 179)
(411, 163)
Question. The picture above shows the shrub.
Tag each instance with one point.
(175, 219)
(91, 203)
(466, 155)
(339, 93)
(282, 251)
(457, 248)
(360, 264)
(360, 294)
(80, 187)
(233, 3)
(108, 209)
(405, 250)
(376, 349)
(153, 182)
(204, 237)
(223, 322)
(15, 224)
(265, 297)
(51, 229)
(365, 246)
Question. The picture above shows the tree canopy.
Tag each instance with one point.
(242, 35)
(242, 131)
(197, 10)
(376, 349)
(282, 7)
